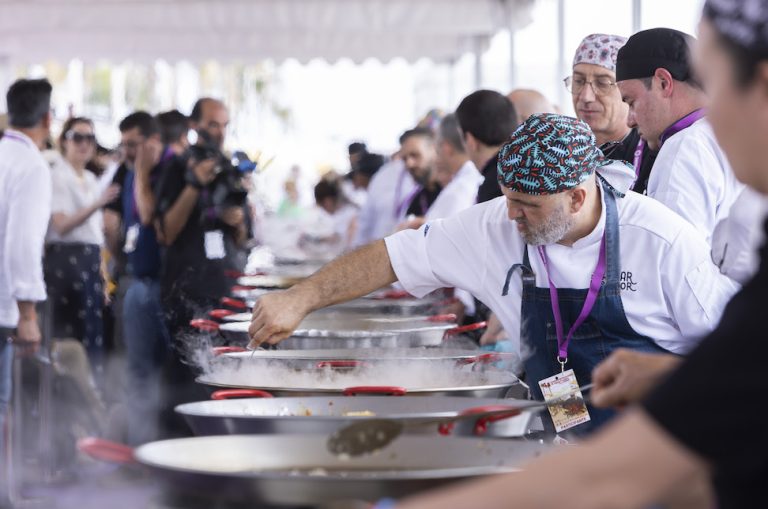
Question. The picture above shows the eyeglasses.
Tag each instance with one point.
(600, 86)
(80, 137)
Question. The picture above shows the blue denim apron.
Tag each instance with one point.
(605, 329)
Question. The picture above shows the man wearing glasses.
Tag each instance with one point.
(597, 101)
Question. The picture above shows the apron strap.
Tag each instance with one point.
(528, 276)
(612, 248)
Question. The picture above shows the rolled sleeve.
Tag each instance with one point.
(443, 253)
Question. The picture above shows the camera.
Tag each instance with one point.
(227, 188)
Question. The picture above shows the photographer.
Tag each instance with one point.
(200, 217)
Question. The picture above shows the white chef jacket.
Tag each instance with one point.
(388, 191)
(737, 238)
(25, 209)
(692, 176)
(459, 194)
(70, 194)
(670, 289)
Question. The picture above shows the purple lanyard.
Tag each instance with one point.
(14, 136)
(684, 123)
(398, 208)
(638, 161)
(408, 199)
(589, 302)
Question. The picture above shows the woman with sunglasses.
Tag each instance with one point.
(73, 244)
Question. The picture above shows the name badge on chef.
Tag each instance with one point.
(131, 236)
(214, 245)
(570, 409)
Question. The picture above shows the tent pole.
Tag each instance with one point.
(478, 62)
(637, 15)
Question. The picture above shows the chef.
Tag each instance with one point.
(666, 101)
(567, 258)
(597, 101)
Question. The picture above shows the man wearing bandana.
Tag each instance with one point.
(597, 101)
(666, 102)
(657, 450)
(573, 264)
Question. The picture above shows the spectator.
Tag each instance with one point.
(335, 220)
(145, 333)
(25, 204)
(134, 130)
(201, 219)
(74, 240)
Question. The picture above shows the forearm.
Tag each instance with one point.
(112, 232)
(631, 464)
(145, 199)
(64, 224)
(350, 276)
(27, 310)
(178, 215)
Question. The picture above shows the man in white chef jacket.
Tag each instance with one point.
(624, 269)
(691, 174)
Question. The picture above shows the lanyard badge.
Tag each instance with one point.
(573, 411)
(589, 303)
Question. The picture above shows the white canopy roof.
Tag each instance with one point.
(251, 30)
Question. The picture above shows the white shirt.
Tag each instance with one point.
(459, 194)
(70, 194)
(25, 209)
(737, 238)
(692, 176)
(388, 191)
(671, 290)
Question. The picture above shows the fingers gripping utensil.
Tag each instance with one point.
(371, 435)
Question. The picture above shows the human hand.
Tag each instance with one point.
(626, 376)
(275, 317)
(109, 195)
(205, 171)
(28, 335)
(494, 332)
(148, 155)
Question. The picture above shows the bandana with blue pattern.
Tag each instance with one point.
(549, 154)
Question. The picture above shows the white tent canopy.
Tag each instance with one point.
(252, 30)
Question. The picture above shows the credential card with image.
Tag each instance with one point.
(570, 409)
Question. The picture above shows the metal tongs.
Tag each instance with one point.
(371, 435)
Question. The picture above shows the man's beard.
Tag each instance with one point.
(556, 226)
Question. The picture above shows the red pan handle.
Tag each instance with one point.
(466, 328)
(375, 389)
(486, 358)
(233, 303)
(204, 325)
(481, 425)
(234, 274)
(240, 393)
(340, 364)
(448, 317)
(220, 350)
(105, 450)
(218, 314)
(394, 294)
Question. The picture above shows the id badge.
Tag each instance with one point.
(570, 410)
(131, 235)
(214, 245)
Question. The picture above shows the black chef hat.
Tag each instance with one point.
(652, 49)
